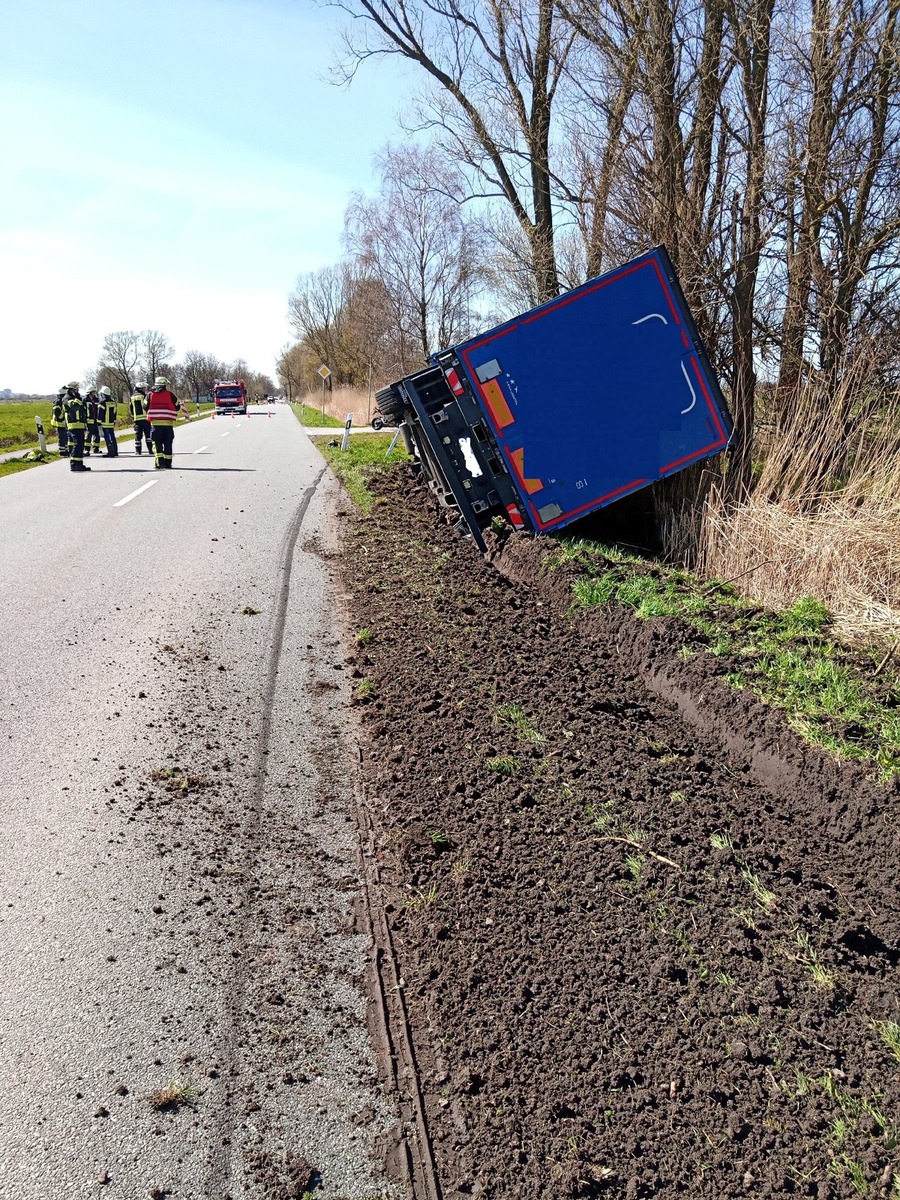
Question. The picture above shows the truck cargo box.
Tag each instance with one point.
(568, 407)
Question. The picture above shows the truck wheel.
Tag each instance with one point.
(377, 423)
(390, 404)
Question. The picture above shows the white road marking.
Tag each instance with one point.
(202, 448)
(226, 434)
(119, 503)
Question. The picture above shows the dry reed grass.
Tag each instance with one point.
(823, 518)
(341, 401)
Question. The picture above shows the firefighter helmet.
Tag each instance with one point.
(105, 391)
(161, 381)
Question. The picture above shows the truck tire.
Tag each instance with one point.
(390, 404)
(377, 423)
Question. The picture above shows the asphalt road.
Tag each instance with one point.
(166, 626)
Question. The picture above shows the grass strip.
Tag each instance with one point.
(363, 458)
(314, 418)
(832, 693)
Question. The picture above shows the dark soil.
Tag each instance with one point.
(649, 942)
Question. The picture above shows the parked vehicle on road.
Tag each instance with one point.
(565, 408)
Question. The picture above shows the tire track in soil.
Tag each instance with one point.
(609, 954)
(392, 1031)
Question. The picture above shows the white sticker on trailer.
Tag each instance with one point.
(465, 444)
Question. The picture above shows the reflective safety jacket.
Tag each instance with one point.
(162, 407)
(138, 406)
(75, 410)
(92, 402)
(107, 409)
(58, 414)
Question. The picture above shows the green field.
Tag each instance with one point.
(17, 427)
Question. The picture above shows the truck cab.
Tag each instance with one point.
(230, 396)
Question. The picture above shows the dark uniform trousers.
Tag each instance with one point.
(142, 430)
(107, 411)
(76, 446)
(62, 432)
(163, 441)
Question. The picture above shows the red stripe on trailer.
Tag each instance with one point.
(515, 516)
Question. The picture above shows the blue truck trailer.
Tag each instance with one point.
(566, 408)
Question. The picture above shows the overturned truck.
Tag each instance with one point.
(566, 408)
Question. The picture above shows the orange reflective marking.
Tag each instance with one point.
(531, 485)
(496, 402)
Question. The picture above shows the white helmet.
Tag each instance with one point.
(161, 381)
(105, 391)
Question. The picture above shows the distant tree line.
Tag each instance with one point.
(759, 140)
(131, 357)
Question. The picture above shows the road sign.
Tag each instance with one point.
(323, 371)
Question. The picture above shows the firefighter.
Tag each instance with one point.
(76, 420)
(163, 407)
(92, 431)
(107, 409)
(138, 406)
(58, 421)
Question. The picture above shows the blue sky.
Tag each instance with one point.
(172, 166)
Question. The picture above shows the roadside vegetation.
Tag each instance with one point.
(31, 458)
(314, 418)
(365, 457)
(822, 516)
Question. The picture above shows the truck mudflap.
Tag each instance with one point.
(569, 407)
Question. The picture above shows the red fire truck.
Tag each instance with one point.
(230, 395)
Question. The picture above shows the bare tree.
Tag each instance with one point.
(494, 69)
(752, 29)
(199, 372)
(156, 353)
(291, 370)
(318, 310)
(415, 241)
(842, 203)
(376, 328)
(121, 356)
